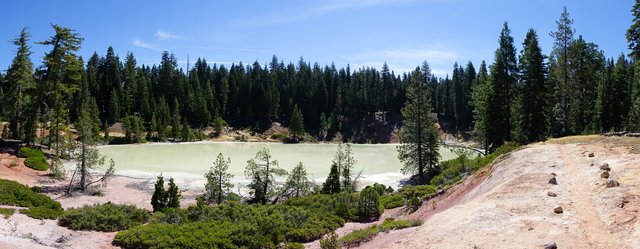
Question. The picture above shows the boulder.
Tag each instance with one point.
(604, 174)
(550, 245)
(552, 194)
(591, 154)
(553, 181)
(612, 183)
(558, 210)
(62, 239)
(605, 166)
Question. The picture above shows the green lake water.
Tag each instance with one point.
(188, 162)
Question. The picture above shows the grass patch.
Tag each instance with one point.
(39, 205)
(107, 217)
(359, 236)
(391, 224)
(7, 212)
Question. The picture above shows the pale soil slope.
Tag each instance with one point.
(511, 209)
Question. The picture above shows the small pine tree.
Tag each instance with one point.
(332, 184)
(369, 206)
(218, 180)
(158, 198)
(297, 124)
(172, 195)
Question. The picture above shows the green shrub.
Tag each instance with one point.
(359, 236)
(421, 191)
(107, 217)
(390, 201)
(278, 136)
(414, 203)
(36, 189)
(369, 206)
(293, 245)
(7, 212)
(330, 241)
(35, 158)
(39, 205)
(391, 224)
(37, 163)
(26, 152)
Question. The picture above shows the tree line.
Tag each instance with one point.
(522, 96)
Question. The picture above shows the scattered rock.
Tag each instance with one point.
(558, 210)
(592, 164)
(552, 194)
(553, 181)
(62, 239)
(605, 166)
(591, 154)
(550, 245)
(612, 183)
(604, 174)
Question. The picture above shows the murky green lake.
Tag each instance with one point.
(188, 162)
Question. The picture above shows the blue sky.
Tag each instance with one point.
(357, 32)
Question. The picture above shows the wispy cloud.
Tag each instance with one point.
(295, 14)
(164, 35)
(222, 48)
(141, 44)
(406, 59)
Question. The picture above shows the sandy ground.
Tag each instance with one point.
(20, 231)
(505, 206)
(511, 208)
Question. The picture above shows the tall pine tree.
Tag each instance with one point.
(418, 135)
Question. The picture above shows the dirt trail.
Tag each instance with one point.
(591, 226)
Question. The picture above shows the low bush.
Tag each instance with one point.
(391, 224)
(236, 225)
(39, 205)
(26, 152)
(37, 163)
(107, 217)
(293, 245)
(7, 212)
(359, 236)
(278, 136)
(420, 191)
(390, 201)
(330, 241)
(35, 158)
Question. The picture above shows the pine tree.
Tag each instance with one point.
(348, 162)
(503, 79)
(332, 184)
(298, 183)
(173, 195)
(533, 93)
(633, 38)
(563, 38)
(20, 81)
(369, 206)
(261, 171)
(158, 199)
(418, 135)
(60, 79)
(218, 181)
(87, 156)
(481, 97)
(297, 124)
